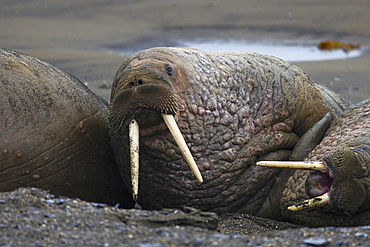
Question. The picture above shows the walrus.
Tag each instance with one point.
(54, 133)
(233, 110)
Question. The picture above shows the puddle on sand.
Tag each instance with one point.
(290, 53)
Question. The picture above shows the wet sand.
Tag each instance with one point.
(78, 36)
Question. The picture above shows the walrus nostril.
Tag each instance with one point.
(136, 83)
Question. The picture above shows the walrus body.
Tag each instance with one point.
(234, 108)
(54, 133)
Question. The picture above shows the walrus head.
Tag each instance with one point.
(144, 94)
(233, 109)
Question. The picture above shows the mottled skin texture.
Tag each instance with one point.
(54, 133)
(234, 109)
(346, 152)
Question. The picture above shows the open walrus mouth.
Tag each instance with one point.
(318, 201)
(343, 169)
(145, 100)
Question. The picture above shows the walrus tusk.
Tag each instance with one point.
(315, 202)
(175, 131)
(309, 165)
(134, 157)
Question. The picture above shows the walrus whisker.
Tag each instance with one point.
(134, 157)
(304, 165)
(315, 202)
(175, 131)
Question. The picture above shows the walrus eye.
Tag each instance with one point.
(169, 70)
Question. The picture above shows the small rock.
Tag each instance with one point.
(99, 205)
(50, 201)
(50, 216)
(152, 245)
(361, 234)
(316, 242)
(339, 243)
(60, 202)
(222, 236)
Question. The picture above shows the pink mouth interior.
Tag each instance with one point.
(318, 183)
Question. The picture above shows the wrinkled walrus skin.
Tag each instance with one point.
(233, 109)
(54, 133)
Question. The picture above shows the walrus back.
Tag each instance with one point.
(53, 132)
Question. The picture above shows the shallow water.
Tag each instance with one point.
(290, 53)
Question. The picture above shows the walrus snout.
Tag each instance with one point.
(144, 102)
(143, 91)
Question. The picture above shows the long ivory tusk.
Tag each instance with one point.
(175, 131)
(317, 166)
(315, 202)
(134, 157)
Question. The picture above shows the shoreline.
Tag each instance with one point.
(348, 77)
(75, 36)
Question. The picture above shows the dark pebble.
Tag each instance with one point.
(339, 243)
(60, 202)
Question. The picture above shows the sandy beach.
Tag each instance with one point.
(78, 36)
(82, 37)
